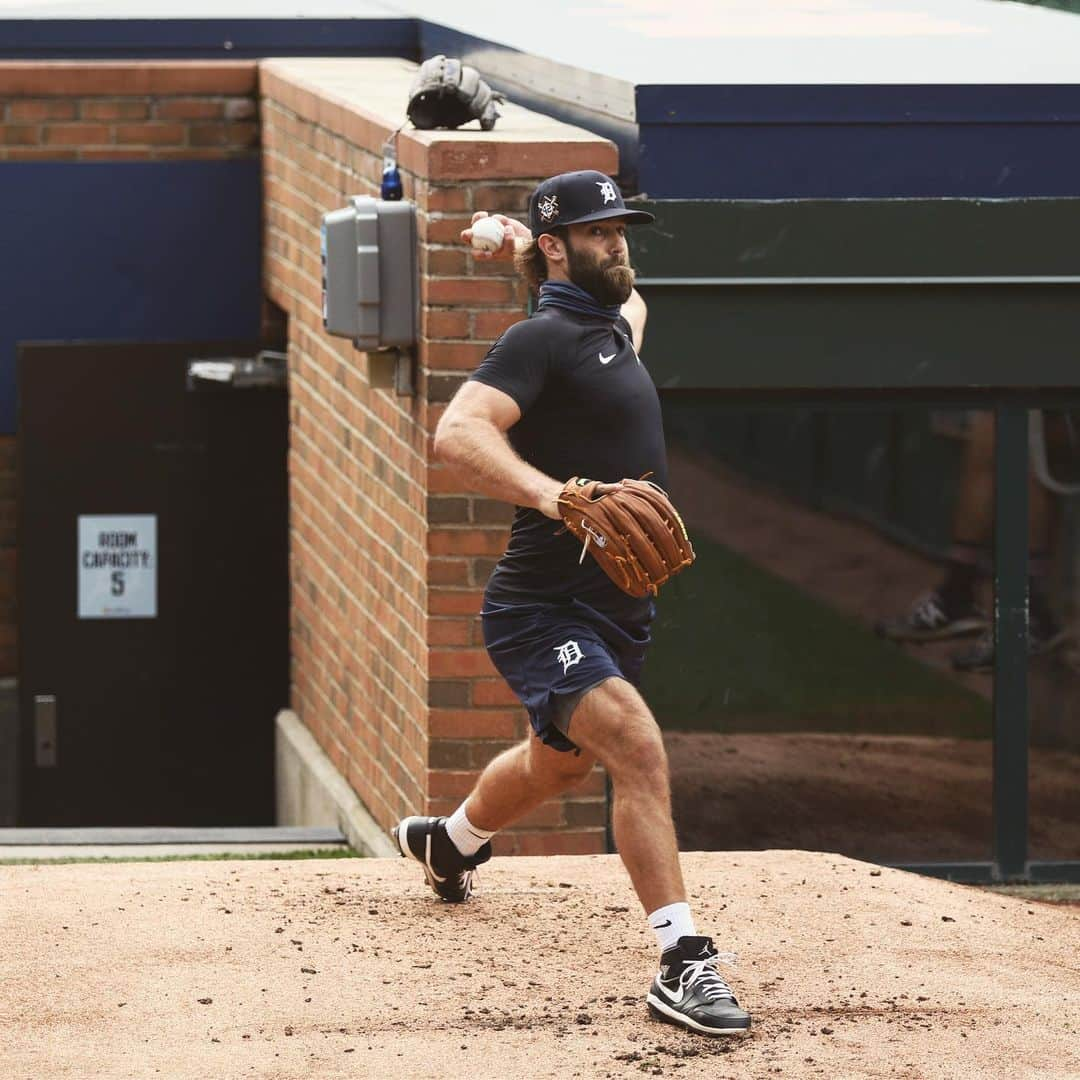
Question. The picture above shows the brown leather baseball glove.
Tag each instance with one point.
(633, 531)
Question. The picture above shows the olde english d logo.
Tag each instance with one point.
(568, 655)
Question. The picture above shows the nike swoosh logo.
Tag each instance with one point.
(661, 925)
(670, 994)
(427, 853)
(606, 359)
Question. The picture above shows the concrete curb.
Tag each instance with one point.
(310, 791)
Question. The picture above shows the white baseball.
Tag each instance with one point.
(487, 234)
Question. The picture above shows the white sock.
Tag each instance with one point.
(671, 923)
(467, 838)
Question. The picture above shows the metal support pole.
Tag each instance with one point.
(1010, 641)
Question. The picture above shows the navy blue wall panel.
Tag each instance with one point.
(219, 39)
(140, 251)
(767, 142)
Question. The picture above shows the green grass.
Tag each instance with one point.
(276, 856)
(736, 648)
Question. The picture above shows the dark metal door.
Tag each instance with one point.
(163, 715)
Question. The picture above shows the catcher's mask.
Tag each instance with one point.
(446, 93)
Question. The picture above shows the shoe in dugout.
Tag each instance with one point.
(689, 991)
(1043, 638)
(933, 618)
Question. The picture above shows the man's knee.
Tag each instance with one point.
(616, 724)
(639, 756)
(560, 768)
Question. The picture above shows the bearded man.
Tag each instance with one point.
(564, 394)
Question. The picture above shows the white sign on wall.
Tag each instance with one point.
(117, 566)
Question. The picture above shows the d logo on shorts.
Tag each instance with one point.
(568, 655)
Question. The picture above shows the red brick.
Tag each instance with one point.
(444, 324)
(189, 109)
(20, 134)
(444, 262)
(77, 134)
(448, 572)
(456, 197)
(456, 602)
(242, 133)
(548, 815)
(459, 663)
(493, 692)
(492, 324)
(452, 356)
(79, 78)
(473, 724)
(466, 541)
(37, 153)
(449, 754)
(151, 134)
(585, 813)
(32, 111)
(560, 842)
(466, 291)
(114, 110)
(449, 631)
(443, 480)
(443, 230)
(444, 782)
(509, 199)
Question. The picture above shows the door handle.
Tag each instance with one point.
(45, 731)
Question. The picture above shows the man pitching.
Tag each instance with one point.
(563, 394)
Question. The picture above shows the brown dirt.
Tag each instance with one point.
(888, 798)
(334, 969)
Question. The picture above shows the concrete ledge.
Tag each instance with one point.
(310, 791)
(364, 101)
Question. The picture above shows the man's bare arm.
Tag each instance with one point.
(471, 437)
(635, 312)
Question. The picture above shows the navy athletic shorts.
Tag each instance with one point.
(553, 654)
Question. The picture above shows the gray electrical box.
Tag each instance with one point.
(370, 278)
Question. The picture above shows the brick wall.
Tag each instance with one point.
(112, 111)
(388, 554)
(121, 111)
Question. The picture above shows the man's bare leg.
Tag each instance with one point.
(522, 778)
(613, 723)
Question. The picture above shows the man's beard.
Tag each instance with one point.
(609, 284)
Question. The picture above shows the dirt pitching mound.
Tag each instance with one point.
(352, 969)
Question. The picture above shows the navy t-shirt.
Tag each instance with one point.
(588, 408)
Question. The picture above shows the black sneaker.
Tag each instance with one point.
(932, 619)
(1042, 639)
(689, 991)
(447, 871)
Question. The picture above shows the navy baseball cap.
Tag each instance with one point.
(573, 197)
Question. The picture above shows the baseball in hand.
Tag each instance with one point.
(487, 234)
